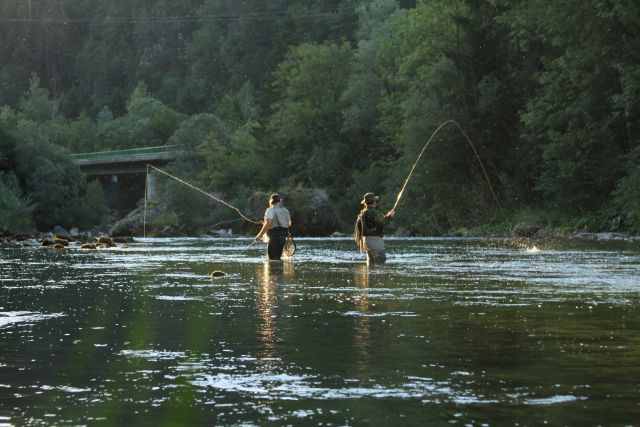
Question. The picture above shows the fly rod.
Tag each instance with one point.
(448, 122)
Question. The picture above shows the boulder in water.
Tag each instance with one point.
(130, 225)
(134, 223)
(106, 240)
(60, 241)
(220, 232)
(47, 241)
(61, 232)
(585, 235)
(525, 229)
(122, 239)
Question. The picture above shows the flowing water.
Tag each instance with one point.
(448, 332)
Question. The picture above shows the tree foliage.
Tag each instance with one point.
(306, 142)
(334, 94)
(15, 209)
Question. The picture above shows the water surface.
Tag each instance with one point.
(448, 332)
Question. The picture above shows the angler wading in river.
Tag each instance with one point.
(369, 230)
(277, 221)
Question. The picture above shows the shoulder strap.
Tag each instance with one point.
(277, 216)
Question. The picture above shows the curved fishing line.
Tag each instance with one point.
(448, 122)
(246, 218)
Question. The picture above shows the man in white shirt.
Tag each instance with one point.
(277, 221)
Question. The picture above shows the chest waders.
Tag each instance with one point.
(369, 232)
(277, 236)
(277, 240)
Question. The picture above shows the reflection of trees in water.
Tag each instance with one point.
(362, 323)
(269, 275)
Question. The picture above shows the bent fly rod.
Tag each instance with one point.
(448, 122)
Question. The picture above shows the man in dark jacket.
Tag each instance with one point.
(369, 232)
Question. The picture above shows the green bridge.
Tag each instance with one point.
(123, 173)
(121, 162)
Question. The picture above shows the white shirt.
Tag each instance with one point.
(279, 216)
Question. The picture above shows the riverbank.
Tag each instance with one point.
(529, 230)
(60, 238)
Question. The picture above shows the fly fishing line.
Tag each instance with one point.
(229, 205)
(448, 122)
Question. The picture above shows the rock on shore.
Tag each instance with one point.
(60, 238)
(525, 229)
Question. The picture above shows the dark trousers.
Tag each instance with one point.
(277, 240)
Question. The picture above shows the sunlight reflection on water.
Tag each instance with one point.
(455, 329)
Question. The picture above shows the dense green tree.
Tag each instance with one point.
(15, 209)
(371, 81)
(55, 189)
(34, 40)
(208, 166)
(147, 123)
(74, 135)
(627, 202)
(244, 41)
(306, 142)
(338, 94)
(6, 150)
(581, 120)
(36, 104)
(41, 182)
(232, 45)
(208, 137)
(452, 64)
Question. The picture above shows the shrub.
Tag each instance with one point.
(15, 210)
(626, 199)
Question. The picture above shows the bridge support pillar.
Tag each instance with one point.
(151, 185)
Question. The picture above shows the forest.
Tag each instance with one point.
(336, 96)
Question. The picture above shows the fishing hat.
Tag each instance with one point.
(369, 198)
(275, 198)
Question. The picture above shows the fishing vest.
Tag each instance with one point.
(368, 224)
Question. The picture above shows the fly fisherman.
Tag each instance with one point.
(369, 230)
(277, 221)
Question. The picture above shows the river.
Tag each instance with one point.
(448, 332)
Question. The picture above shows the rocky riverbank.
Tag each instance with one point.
(60, 238)
(533, 231)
